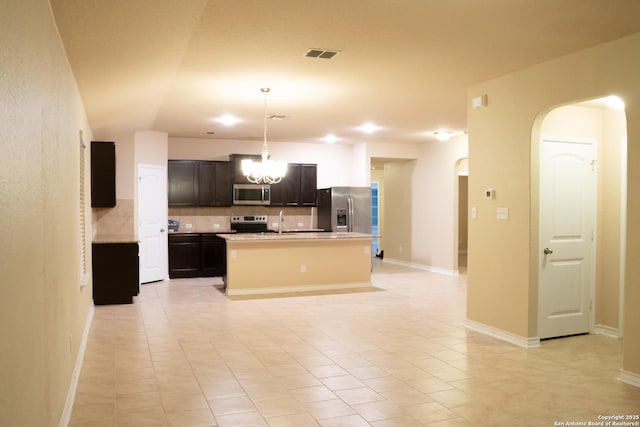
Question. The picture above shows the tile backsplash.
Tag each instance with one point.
(118, 220)
(218, 219)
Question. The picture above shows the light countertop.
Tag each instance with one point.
(252, 237)
(115, 238)
(199, 231)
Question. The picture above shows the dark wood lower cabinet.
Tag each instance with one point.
(116, 275)
(184, 255)
(196, 255)
(213, 256)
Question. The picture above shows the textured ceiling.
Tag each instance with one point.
(174, 66)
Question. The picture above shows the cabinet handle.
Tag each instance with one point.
(162, 230)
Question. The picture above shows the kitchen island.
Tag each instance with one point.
(267, 263)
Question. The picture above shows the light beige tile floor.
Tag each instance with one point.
(185, 355)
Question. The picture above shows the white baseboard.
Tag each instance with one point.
(294, 289)
(518, 340)
(606, 330)
(630, 378)
(422, 267)
(75, 376)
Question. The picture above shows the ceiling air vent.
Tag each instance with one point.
(321, 53)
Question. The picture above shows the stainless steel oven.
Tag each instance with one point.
(249, 223)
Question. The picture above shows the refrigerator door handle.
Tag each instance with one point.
(350, 221)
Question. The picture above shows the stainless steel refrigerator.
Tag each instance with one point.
(345, 209)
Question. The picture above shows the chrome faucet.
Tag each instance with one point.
(281, 222)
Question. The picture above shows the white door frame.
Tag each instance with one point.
(623, 232)
(592, 287)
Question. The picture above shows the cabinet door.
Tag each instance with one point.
(103, 174)
(115, 272)
(278, 191)
(182, 179)
(287, 191)
(224, 184)
(308, 184)
(184, 255)
(236, 160)
(291, 185)
(213, 256)
(206, 183)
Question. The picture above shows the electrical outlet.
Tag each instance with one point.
(367, 250)
(234, 253)
(216, 226)
(188, 226)
(474, 213)
(303, 268)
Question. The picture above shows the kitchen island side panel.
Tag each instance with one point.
(294, 265)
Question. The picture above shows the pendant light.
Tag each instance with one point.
(266, 171)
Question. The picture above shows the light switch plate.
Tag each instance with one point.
(502, 213)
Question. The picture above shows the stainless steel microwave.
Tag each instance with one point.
(251, 194)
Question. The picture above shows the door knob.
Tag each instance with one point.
(548, 251)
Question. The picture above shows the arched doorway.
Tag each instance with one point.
(561, 297)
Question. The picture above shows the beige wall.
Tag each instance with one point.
(421, 206)
(606, 127)
(43, 307)
(398, 214)
(502, 282)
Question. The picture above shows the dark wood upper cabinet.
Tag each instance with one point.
(103, 174)
(308, 184)
(236, 165)
(297, 188)
(182, 178)
(199, 183)
(224, 184)
(206, 183)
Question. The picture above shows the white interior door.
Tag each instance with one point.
(152, 222)
(567, 228)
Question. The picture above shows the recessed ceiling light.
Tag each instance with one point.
(446, 135)
(615, 103)
(330, 139)
(369, 128)
(228, 120)
(443, 135)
